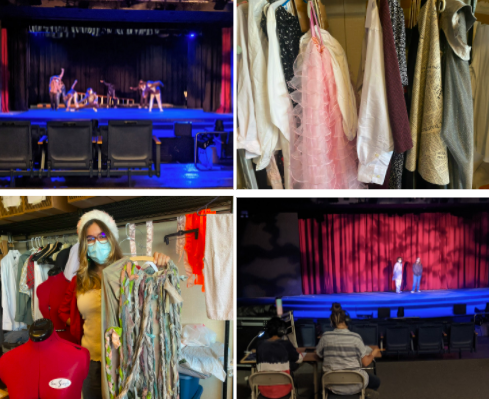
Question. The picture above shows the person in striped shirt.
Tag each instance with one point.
(342, 349)
(55, 89)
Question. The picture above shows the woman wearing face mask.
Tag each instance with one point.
(81, 309)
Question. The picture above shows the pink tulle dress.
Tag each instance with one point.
(321, 156)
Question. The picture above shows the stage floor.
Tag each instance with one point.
(162, 121)
(437, 303)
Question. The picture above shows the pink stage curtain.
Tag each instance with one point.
(356, 253)
(4, 72)
(226, 92)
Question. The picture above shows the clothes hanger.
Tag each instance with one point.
(205, 207)
(128, 238)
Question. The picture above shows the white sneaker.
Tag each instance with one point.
(412, 292)
(419, 290)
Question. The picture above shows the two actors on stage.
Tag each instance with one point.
(417, 273)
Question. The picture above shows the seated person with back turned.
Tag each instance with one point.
(276, 354)
(342, 349)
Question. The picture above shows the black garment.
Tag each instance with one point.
(92, 386)
(54, 97)
(263, 23)
(277, 352)
(417, 269)
(289, 36)
(373, 382)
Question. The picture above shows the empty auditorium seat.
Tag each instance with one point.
(429, 338)
(324, 325)
(305, 330)
(132, 149)
(68, 148)
(16, 149)
(398, 340)
(368, 332)
(462, 337)
(182, 129)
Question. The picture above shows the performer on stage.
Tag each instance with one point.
(63, 93)
(72, 95)
(141, 87)
(110, 94)
(397, 275)
(55, 89)
(90, 99)
(153, 89)
(417, 272)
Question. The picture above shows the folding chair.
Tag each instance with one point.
(344, 377)
(270, 378)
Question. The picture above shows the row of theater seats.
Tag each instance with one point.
(399, 336)
(78, 148)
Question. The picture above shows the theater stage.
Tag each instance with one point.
(162, 121)
(437, 303)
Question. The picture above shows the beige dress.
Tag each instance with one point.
(90, 307)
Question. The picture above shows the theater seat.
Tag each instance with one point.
(368, 332)
(16, 149)
(398, 340)
(430, 339)
(68, 149)
(132, 149)
(305, 330)
(462, 337)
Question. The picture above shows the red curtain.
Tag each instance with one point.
(356, 253)
(4, 72)
(226, 93)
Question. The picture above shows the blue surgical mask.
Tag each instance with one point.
(99, 253)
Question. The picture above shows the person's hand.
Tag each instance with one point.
(376, 353)
(161, 260)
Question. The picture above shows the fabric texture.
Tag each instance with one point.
(92, 386)
(399, 31)
(289, 36)
(90, 307)
(356, 253)
(68, 309)
(247, 132)
(429, 154)
(40, 276)
(195, 249)
(321, 156)
(457, 129)
(480, 95)
(268, 134)
(98, 215)
(342, 349)
(375, 143)
(73, 263)
(9, 270)
(397, 272)
(23, 312)
(218, 269)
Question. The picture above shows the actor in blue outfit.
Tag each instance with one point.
(417, 272)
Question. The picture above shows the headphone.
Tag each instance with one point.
(347, 317)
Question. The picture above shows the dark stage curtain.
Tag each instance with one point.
(4, 72)
(180, 62)
(356, 253)
(204, 72)
(226, 92)
(19, 62)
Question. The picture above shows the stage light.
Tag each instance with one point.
(192, 35)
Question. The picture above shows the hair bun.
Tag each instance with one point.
(336, 307)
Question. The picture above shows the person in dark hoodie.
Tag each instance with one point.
(417, 272)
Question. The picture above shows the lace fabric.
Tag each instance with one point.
(321, 155)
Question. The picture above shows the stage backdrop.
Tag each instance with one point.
(181, 62)
(356, 253)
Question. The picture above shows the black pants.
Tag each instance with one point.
(92, 386)
(54, 97)
(373, 382)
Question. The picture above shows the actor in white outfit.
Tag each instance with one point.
(397, 275)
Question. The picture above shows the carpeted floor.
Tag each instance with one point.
(432, 377)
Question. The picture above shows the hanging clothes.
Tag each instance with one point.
(9, 269)
(278, 94)
(480, 94)
(219, 268)
(73, 263)
(247, 131)
(195, 248)
(393, 39)
(375, 143)
(23, 312)
(429, 153)
(142, 330)
(458, 116)
(322, 157)
(268, 134)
